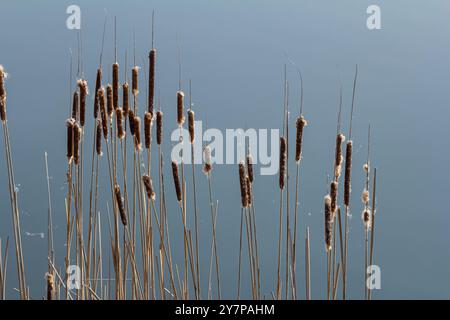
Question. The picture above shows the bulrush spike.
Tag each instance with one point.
(137, 133)
(282, 166)
(208, 163)
(249, 160)
(333, 196)
(191, 125)
(242, 184)
(70, 123)
(82, 84)
(149, 187)
(367, 219)
(125, 99)
(151, 81)
(115, 87)
(98, 84)
(134, 80)
(148, 129)
(119, 123)
(2, 94)
(248, 189)
(300, 124)
(50, 285)
(348, 169)
(75, 103)
(131, 121)
(328, 224)
(120, 204)
(159, 131)
(109, 100)
(98, 142)
(103, 112)
(340, 138)
(176, 179)
(76, 142)
(180, 107)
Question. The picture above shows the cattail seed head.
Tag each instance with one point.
(76, 142)
(98, 84)
(109, 100)
(125, 99)
(137, 133)
(50, 285)
(243, 185)
(151, 80)
(115, 76)
(300, 124)
(283, 156)
(148, 184)
(338, 156)
(191, 126)
(119, 123)
(367, 219)
(249, 160)
(207, 157)
(134, 80)
(365, 197)
(348, 169)
(333, 196)
(148, 129)
(98, 138)
(75, 102)
(120, 205)
(180, 107)
(131, 121)
(103, 111)
(82, 84)
(248, 190)
(159, 132)
(366, 167)
(328, 224)
(70, 123)
(176, 180)
(2, 94)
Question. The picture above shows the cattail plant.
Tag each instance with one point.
(119, 123)
(120, 204)
(98, 142)
(159, 131)
(191, 121)
(109, 100)
(348, 170)
(75, 105)
(328, 223)
(70, 124)
(249, 162)
(282, 164)
(2, 94)
(131, 121)
(242, 184)
(300, 124)
(137, 133)
(76, 142)
(134, 80)
(148, 184)
(148, 129)
(207, 167)
(50, 285)
(115, 85)
(180, 107)
(98, 84)
(103, 111)
(125, 99)
(340, 138)
(176, 180)
(82, 84)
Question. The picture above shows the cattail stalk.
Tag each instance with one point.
(191, 125)
(283, 158)
(131, 121)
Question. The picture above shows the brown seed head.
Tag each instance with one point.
(125, 99)
(149, 187)
(98, 138)
(191, 126)
(131, 121)
(82, 84)
(159, 132)
(151, 81)
(176, 180)
(109, 100)
(283, 157)
(115, 75)
(300, 124)
(76, 142)
(75, 102)
(248, 190)
(249, 160)
(148, 122)
(134, 80)
(338, 156)
(103, 111)
(70, 123)
(328, 224)
(180, 107)
(333, 196)
(119, 123)
(207, 157)
(348, 169)
(120, 205)
(242, 184)
(367, 219)
(137, 133)
(98, 84)
(2, 94)
(365, 197)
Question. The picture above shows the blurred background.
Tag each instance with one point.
(234, 52)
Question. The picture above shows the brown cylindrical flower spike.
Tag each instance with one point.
(2, 94)
(69, 123)
(180, 107)
(103, 112)
(300, 125)
(125, 99)
(137, 133)
(76, 142)
(120, 205)
(338, 155)
(333, 196)
(151, 81)
(75, 102)
(149, 187)
(249, 160)
(82, 84)
(283, 157)
(207, 157)
(131, 121)
(159, 132)
(109, 100)
(134, 80)
(191, 125)
(348, 169)
(328, 224)
(98, 84)
(242, 184)
(248, 188)
(115, 76)
(176, 180)
(119, 123)
(98, 138)
(148, 129)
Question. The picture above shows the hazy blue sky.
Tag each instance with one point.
(234, 52)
